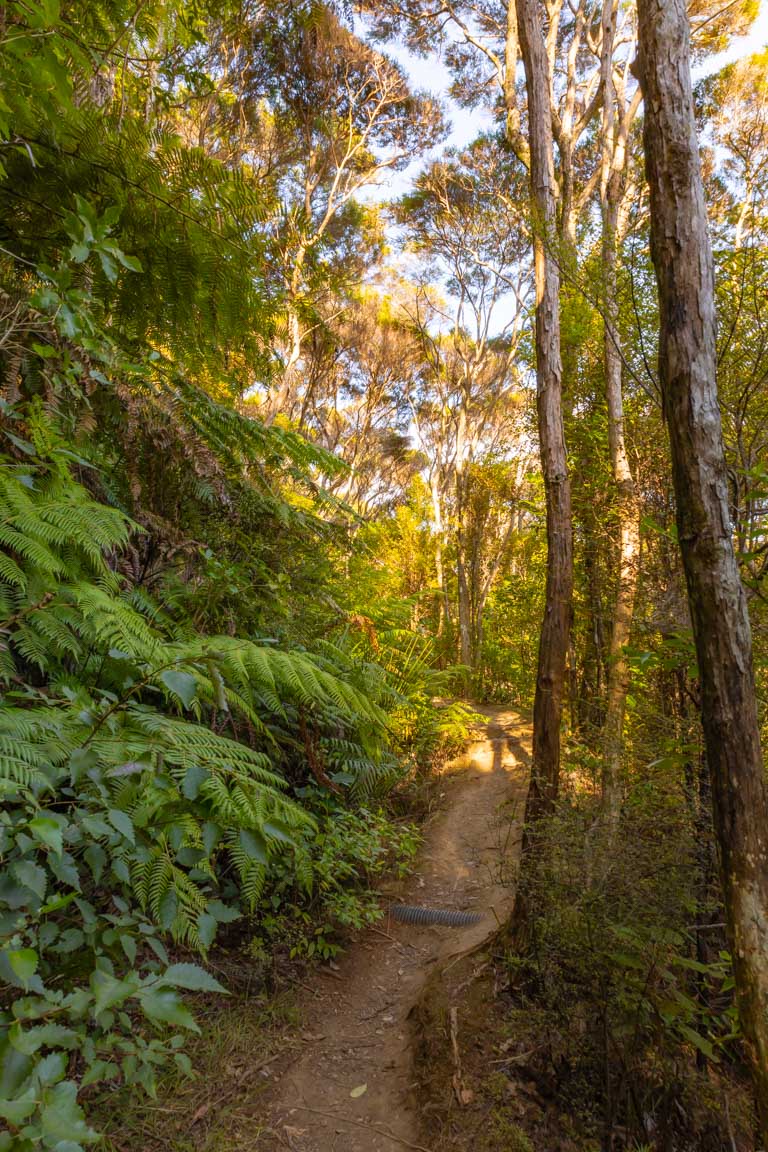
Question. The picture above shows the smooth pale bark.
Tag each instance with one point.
(444, 606)
(626, 585)
(463, 455)
(613, 165)
(628, 513)
(514, 135)
(466, 654)
(556, 625)
(682, 257)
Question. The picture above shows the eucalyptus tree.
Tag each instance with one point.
(347, 117)
(290, 94)
(735, 103)
(620, 104)
(733, 114)
(358, 377)
(556, 625)
(618, 161)
(562, 101)
(583, 77)
(465, 223)
(684, 266)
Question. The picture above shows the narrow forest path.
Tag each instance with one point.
(357, 1024)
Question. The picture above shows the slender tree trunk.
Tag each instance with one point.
(444, 610)
(590, 714)
(514, 135)
(440, 576)
(556, 626)
(465, 612)
(484, 586)
(281, 399)
(682, 257)
(613, 165)
(462, 481)
(629, 544)
(464, 601)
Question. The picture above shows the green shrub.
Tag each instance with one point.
(128, 814)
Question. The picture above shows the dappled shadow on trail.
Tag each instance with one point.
(351, 1088)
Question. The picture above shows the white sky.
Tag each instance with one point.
(739, 46)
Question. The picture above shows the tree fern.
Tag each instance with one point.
(158, 779)
(132, 704)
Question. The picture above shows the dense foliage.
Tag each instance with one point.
(198, 726)
(270, 500)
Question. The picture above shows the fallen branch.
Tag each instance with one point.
(377, 1011)
(463, 1094)
(476, 974)
(386, 935)
(382, 1131)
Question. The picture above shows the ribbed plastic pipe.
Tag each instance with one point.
(410, 914)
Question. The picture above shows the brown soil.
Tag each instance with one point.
(359, 1031)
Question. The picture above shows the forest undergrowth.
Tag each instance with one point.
(602, 1016)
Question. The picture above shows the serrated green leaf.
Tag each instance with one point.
(211, 836)
(182, 685)
(24, 962)
(18, 1110)
(14, 1069)
(122, 822)
(95, 858)
(109, 991)
(278, 831)
(224, 913)
(52, 1068)
(49, 832)
(30, 1040)
(254, 845)
(65, 870)
(62, 1118)
(31, 875)
(128, 945)
(164, 1006)
(192, 977)
(98, 1071)
(195, 777)
(168, 910)
(206, 929)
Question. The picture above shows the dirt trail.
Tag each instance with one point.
(358, 1030)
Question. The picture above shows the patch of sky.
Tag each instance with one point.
(426, 74)
(741, 46)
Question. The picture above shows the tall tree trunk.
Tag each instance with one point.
(611, 188)
(281, 399)
(556, 626)
(461, 483)
(682, 257)
(629, 537)
(465, 610)
(443, 603)
(590, 710)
